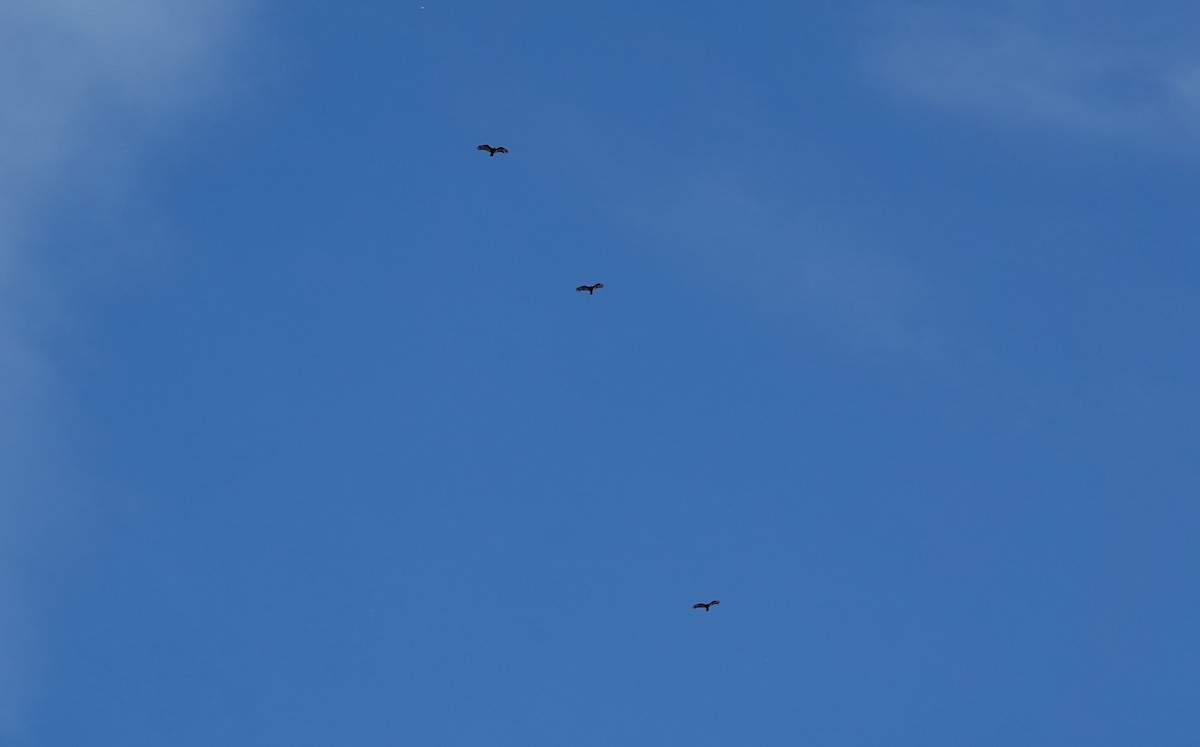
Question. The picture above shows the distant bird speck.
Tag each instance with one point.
(492, 151)
(590, 288)
(698, 605)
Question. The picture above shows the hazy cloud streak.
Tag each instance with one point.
(82, 77)
(793, 261)
(1025, 69)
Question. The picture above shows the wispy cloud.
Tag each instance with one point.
(1036, 69)
(81, 78)
(792, 260)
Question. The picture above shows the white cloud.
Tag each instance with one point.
(1078, 71)
(82, 77)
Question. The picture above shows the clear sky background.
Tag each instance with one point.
(307, 439)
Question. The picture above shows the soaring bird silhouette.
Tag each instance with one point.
(698, 605)
(590, 288)
(492, 151)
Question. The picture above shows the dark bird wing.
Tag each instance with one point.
(501, 149)
(598, 285)
(486, 147)
(698, 606)
(715, 601)
(583, 288)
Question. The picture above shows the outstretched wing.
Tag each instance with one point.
(598, 285)
(583, 288)
(715, 601)
(699, 605)
(486, 147)
(501, 149)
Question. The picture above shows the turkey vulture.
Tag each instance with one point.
(590, 288)
(698, 605)
(492, 151)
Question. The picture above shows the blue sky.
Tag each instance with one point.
(306, 437)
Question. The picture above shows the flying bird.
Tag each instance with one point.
(492, 151)
(590, 288)
(698, 605)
